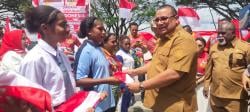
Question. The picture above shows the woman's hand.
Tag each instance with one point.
(103, 95)
(90, 109)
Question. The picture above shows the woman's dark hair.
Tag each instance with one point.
(202, 40)
(86, 25)
(34, 17)
(123, 37)
(107, 36)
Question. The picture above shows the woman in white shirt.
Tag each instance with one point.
(45, 64)
(123, 54)
(12, 50)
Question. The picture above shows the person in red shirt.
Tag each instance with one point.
(68, 47)
(144, 40)
(201, 64)
(202, 58)
(69, 44)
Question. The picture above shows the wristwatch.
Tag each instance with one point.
(141, 87)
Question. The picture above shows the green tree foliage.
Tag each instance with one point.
(13, 9)
(227, 8)
(108, 11)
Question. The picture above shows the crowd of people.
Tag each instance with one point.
(173, 71)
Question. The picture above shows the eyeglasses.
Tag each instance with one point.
(162, 18)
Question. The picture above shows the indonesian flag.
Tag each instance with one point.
(17, 86)
(245, 34)
(188, 16)
(124, 9)
(36, 3)
(237, 27)
(80, 102)
(80, 3)
(123, 77)
(7, 27)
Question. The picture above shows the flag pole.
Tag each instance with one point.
(212, 17)
(89, 8)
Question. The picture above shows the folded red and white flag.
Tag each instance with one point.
(188, 16)
(14, 85)
(125, 8)
(123, 77)
(80, 102)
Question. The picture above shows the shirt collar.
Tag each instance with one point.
(106, 53)
(92, 43)
(123, 50)
(234, 41)
(45, 46)
(171, 35)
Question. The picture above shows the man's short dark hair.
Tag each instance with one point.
(133, 24)
(174, 12)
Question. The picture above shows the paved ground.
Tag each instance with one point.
(138, 105)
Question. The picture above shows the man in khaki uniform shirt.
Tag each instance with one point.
(170, 84)
(227, 61)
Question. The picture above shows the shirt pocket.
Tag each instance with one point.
(164, 57)
(237, 61)
(216, 59)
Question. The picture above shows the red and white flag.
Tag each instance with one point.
(7, 27)
(123, 77)
(36, 3)
(125, 8)
(80, 102)
(188, 16)
(17, 86)
(80, 3)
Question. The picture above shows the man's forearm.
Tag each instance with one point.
(142, 70)
(163, 79)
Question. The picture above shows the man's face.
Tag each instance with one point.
(165, 21)
(133, 30)
(225, 34)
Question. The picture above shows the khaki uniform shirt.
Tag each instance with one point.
(225, 67)
(178, 52)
